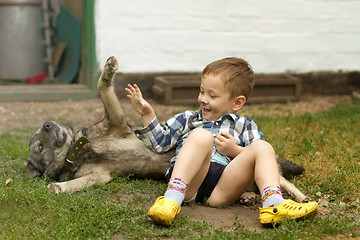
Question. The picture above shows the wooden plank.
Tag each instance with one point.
(184, 89)
(45, 93)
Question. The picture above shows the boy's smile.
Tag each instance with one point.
(214, 98)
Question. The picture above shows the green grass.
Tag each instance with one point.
(327, 144)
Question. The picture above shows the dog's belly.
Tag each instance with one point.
(123, 156)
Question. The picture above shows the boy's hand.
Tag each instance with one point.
(140, 104)
(226, 145)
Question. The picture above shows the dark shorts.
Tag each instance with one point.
(209, 183)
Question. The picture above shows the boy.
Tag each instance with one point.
(219, 154)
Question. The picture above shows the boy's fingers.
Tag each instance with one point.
(130, 94)
(137, 89)
(132, 88)
(219, 137)
(225, 135)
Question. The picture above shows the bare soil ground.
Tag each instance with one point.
(86, 112)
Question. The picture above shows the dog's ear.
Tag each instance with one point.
(31, 172)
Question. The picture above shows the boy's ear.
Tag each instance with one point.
(239, 103)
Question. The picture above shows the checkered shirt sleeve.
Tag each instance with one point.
(162, 139)
(250, 133)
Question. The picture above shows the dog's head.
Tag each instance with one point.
(48, 148)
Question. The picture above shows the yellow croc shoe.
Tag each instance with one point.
(164, 211)
(288, 210)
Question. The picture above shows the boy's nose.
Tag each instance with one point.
(202, 99)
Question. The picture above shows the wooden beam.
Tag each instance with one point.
(45, 92)
(90, 71)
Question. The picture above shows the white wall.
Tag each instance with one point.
(274, 36)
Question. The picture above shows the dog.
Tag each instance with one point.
(91, 155)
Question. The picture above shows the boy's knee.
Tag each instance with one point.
(201, 136)
(263, 146)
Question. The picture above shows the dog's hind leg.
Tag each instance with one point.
(113, 110)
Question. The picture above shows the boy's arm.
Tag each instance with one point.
(156, 137)
(163, 138)
(145, 110)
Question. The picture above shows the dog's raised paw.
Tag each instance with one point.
(111, 65)
(110, 68)
(54, 188)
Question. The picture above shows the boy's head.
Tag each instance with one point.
(236, 74)
(225, 86)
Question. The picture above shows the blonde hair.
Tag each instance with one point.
(236, 73)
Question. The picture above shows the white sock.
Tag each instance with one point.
(176, 190)
(271, 196)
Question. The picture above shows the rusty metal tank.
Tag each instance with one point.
(21, 36)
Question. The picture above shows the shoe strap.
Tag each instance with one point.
(291, 205)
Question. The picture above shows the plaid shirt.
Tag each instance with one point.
(176, 130)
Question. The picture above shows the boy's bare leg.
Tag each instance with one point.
(191, 167)
(193, 160)
(257, 162)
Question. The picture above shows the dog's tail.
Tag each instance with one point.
(287, 168)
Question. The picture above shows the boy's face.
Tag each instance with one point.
(214, 98)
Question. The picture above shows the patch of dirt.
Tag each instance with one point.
(86, 112)
(225, 217)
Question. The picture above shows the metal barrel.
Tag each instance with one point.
(21, 36)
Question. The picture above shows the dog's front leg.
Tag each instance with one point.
(293, 191)
(113, 110)
(81, 182)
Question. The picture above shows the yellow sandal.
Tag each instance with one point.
(164, 211)
(288, 209)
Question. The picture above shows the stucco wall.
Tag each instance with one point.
(184, 36)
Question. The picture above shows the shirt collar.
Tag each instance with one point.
(231, 116)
